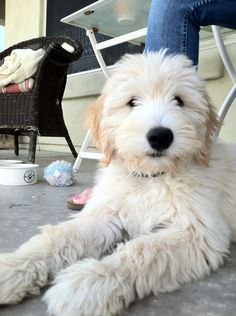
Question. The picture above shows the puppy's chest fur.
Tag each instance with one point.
(148, 210)
(196, 194)
(146, 205)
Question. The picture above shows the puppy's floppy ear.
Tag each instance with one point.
(212, 123)
(93, 120)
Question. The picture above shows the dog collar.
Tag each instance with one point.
(143, 175)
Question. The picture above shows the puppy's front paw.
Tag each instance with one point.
(16, 279)
(89, 288)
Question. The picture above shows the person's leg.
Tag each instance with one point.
(175, 24)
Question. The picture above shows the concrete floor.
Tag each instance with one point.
(24, 208)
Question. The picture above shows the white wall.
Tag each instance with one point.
(24, 20)
(2, 38)
(219, 87)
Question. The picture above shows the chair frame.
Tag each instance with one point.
(39, 112)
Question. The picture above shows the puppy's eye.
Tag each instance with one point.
(132, 103)
(179, 101)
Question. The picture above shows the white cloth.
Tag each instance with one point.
(20, 65)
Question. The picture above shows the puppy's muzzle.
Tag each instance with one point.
(160, 138)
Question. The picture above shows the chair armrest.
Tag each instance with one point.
(62, 55)
(45, 43)
(57, 57)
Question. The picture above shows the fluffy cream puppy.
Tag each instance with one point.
(163, 210)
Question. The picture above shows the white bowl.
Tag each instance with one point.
(19, 174)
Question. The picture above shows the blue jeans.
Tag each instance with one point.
(175, 24)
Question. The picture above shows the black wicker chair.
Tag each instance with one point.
(39, 112)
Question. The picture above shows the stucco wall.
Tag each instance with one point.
(219, 88)
(24, 19)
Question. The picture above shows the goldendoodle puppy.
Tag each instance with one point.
(163, 210)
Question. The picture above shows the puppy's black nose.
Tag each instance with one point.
(160, 138)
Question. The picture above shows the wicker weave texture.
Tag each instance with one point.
(40, 110)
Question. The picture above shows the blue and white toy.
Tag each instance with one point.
(59, 173)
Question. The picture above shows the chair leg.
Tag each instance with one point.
(32, 146)
(16, 144)
(72, 148)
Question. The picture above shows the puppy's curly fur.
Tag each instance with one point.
(164, 210)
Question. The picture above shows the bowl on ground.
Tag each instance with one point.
(19, 174)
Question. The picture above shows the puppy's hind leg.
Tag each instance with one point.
(32, 265)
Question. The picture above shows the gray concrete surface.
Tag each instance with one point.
(24, 208)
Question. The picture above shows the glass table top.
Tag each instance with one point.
(119, 17)
(112, 17)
